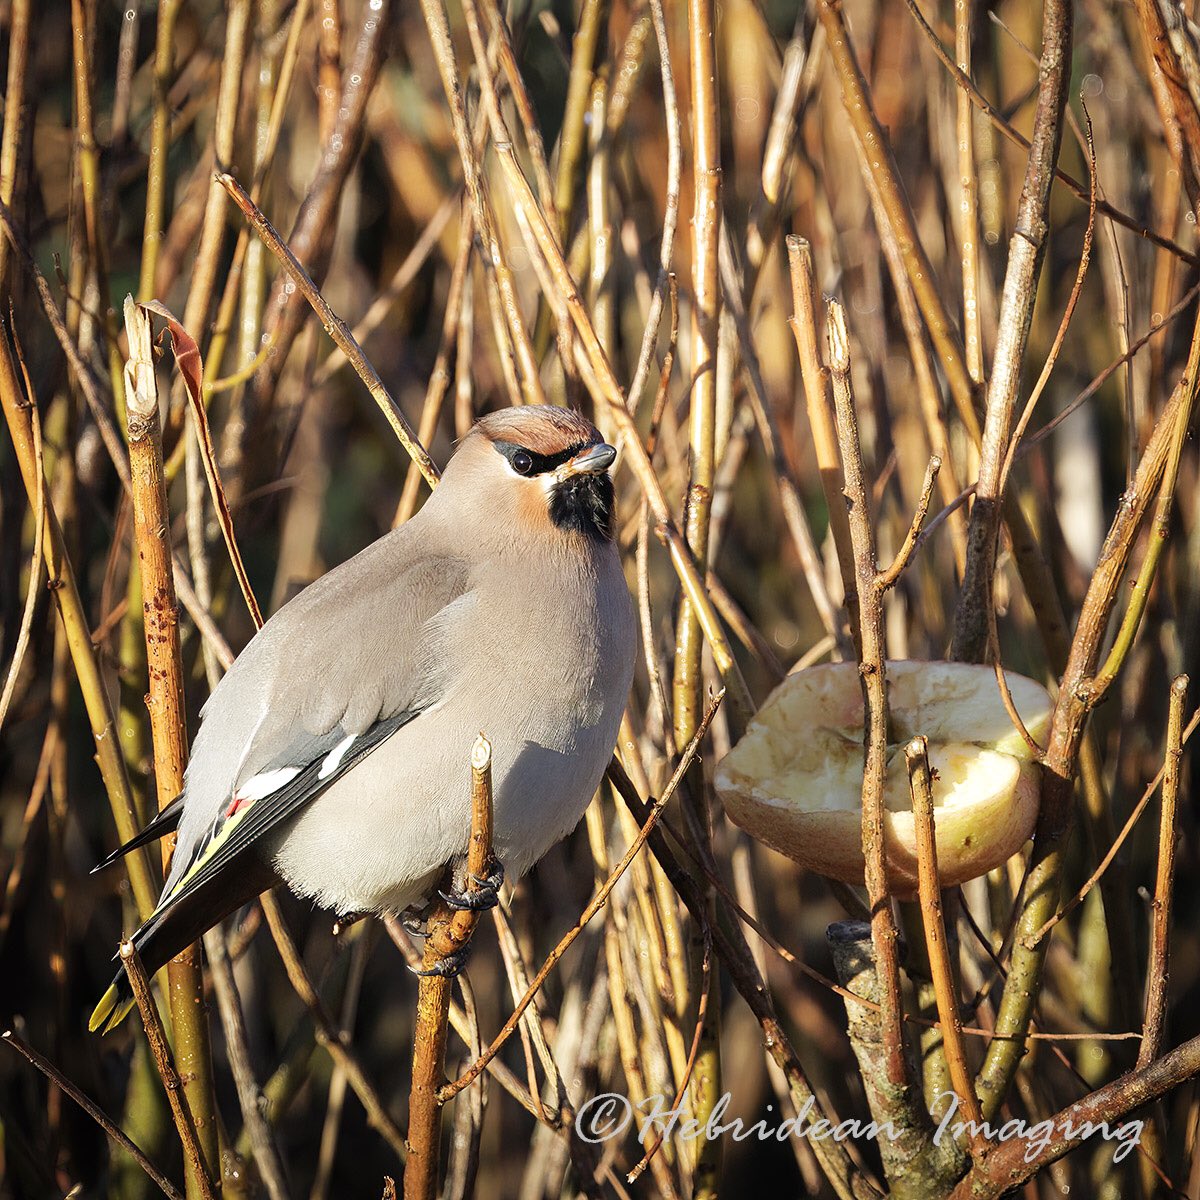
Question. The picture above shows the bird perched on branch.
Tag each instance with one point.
(335, 753)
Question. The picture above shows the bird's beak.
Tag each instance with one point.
(591, 461)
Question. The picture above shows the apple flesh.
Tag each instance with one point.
(794, 781)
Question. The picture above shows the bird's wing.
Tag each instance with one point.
(325, 681)
(255, 811)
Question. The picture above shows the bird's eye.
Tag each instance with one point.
(522, 462)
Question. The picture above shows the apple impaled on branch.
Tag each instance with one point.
(794, 781)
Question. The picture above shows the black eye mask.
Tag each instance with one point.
(528, 463)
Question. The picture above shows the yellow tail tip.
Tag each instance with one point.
(110, 1012)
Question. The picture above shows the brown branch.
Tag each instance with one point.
(867, 580)
(929, 888)
(803, 322)
(165, 700)
(449, 933)
(177, 1095)
(1026, 251)
(881, 164)
(889, 577)
(1011, 1164)
(1158, 968)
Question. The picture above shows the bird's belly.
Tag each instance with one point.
(380, 837)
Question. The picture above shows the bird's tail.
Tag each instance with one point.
(174, 926)
(114, 1006)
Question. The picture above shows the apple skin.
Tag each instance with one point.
(794, 781)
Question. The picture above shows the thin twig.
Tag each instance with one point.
(177, 1096)
(997, 118)
(1130, 823)
(449, 934)
(1011, 1164)
(514, 342)
(93, 1110)
(334, 326)
(693, 1053)
(889, 578)
(1042, 887)
(250, 1096)
(77, 632)
(1026, 251)
(160, 133)
(1158, 968)
(671, 210)
(1160, 528)
(452, 337)
(821, 422)
(688, 686)
(874, 686)
(594, 905)
(603, 381)
(846, 1177)
(35, 566)
(790, 499)
(328, 1033)
(191, 368)
(165, 700)
(1085, 258)
(929, 887)
(880, 162)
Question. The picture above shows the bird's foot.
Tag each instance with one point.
(415, 922)
(485, 894)
(448, 968)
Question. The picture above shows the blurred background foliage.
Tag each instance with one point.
(314, 474)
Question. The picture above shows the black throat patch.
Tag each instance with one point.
(584, 504)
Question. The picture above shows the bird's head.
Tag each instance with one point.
(544, 467)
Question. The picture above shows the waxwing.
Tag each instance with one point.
(335, 753)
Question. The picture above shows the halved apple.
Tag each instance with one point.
(794, 781)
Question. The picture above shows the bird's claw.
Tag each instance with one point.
(447, 968)
(415, 923)
(485, 895)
